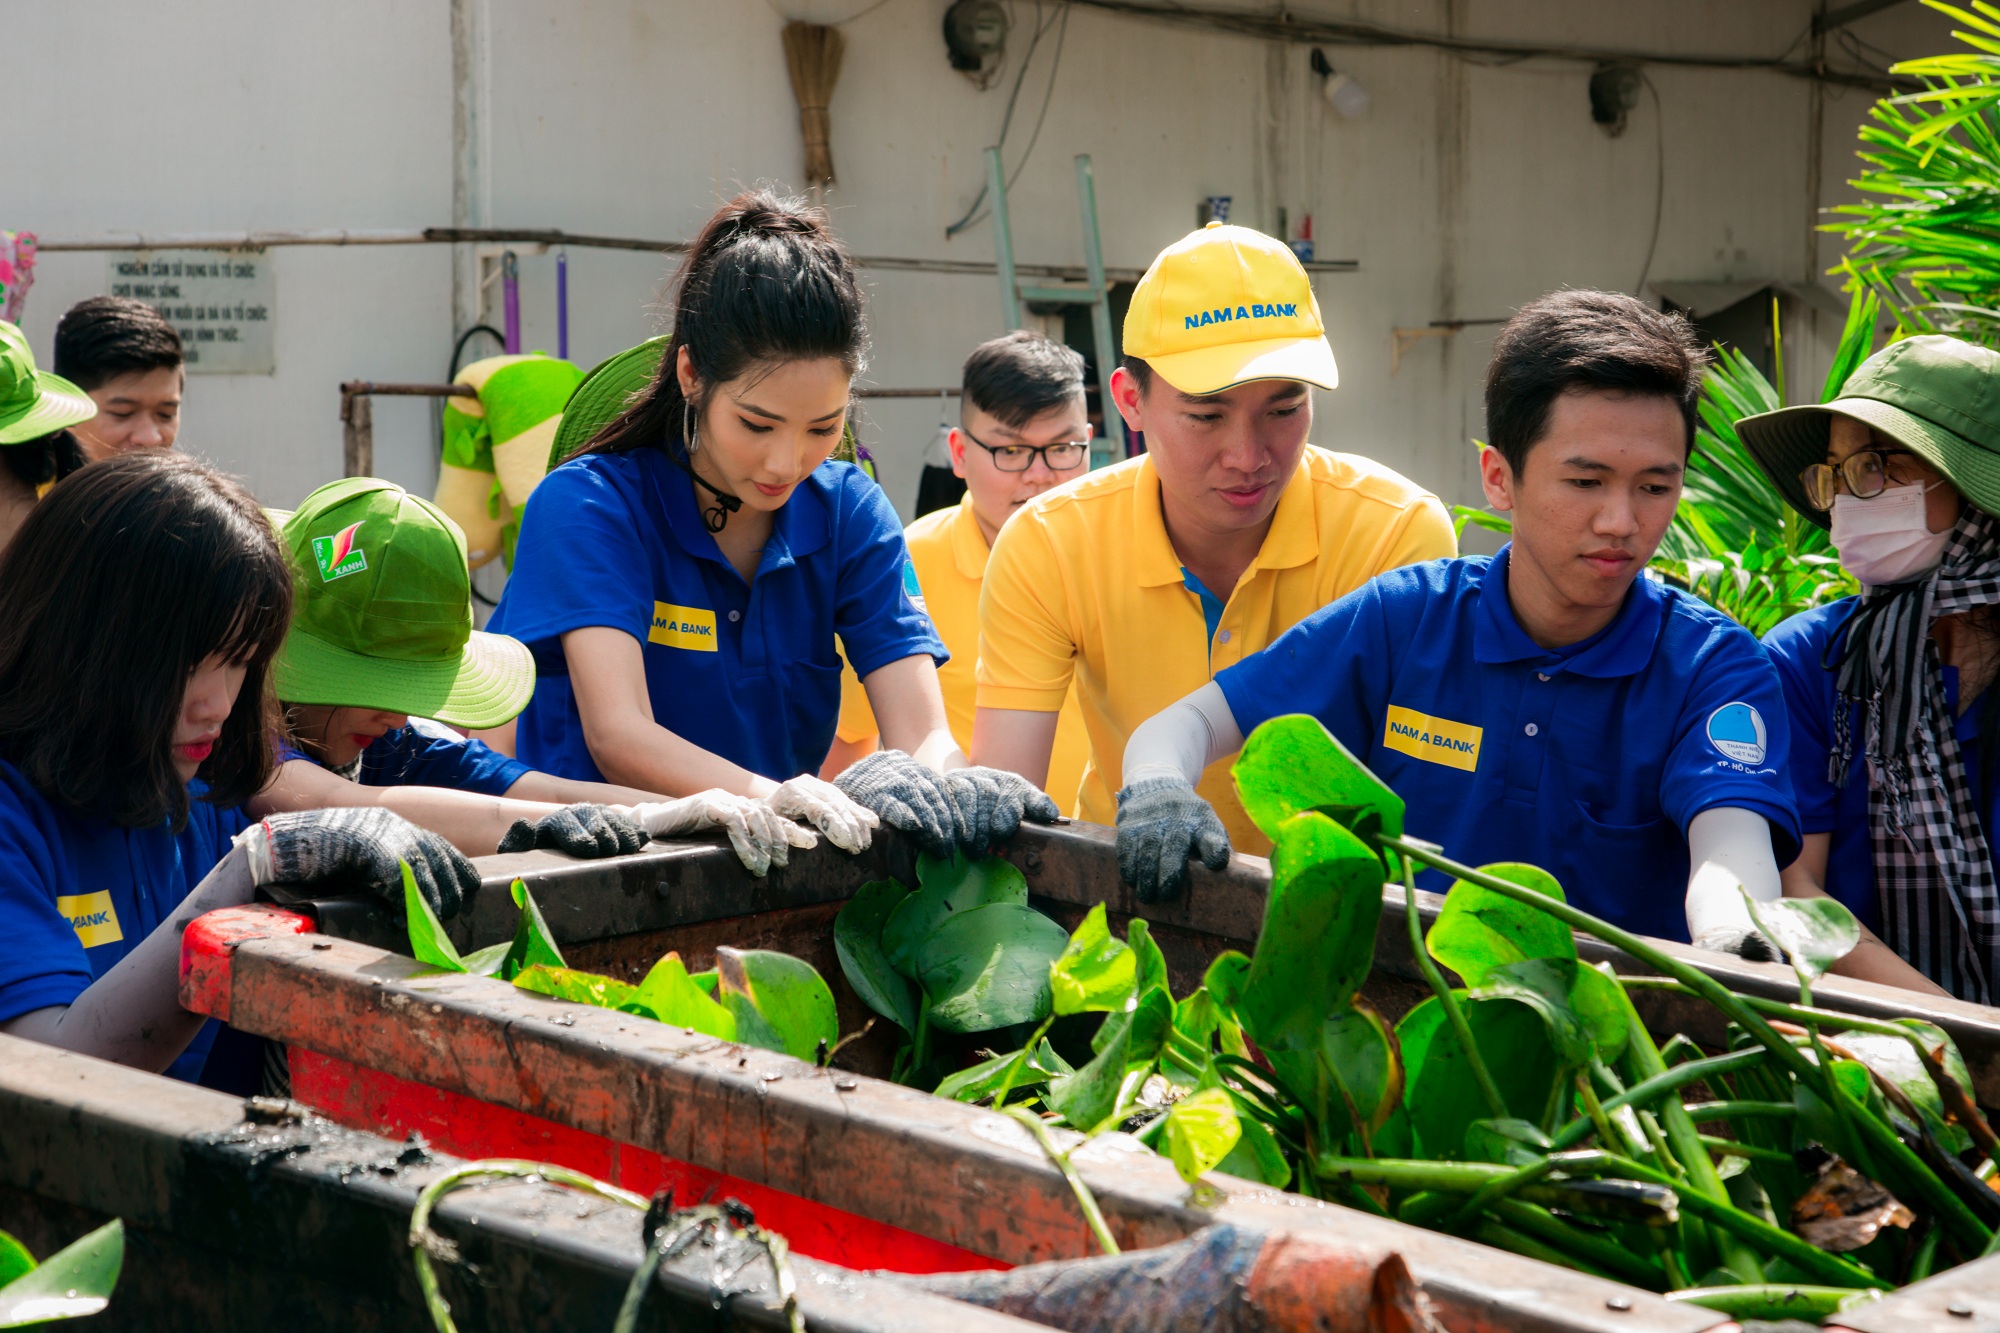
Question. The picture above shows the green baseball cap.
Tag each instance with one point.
(383, 616)
(605, 392)
(34, 403)
(1937, 396)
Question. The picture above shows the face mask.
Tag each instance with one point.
(1885, 539)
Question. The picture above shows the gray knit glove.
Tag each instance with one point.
(1161, 823)
(359, 846)
(992, 803)
(906, 796)
(582, 830)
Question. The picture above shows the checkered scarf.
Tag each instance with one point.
(1934, 874)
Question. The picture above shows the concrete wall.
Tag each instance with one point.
(1469, 188)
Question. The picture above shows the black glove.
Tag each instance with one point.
(991, 804)
(361, 845)
(582, 830)
(1746, 943)
(906, 796)
(1161, 823)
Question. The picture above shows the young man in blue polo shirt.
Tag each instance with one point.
(1547, 704)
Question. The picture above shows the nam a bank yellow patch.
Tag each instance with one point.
(683, 627)
(1434, 740)
(92, 917)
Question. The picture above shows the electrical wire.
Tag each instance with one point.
(458, 348)
(1287, 26)
(1042, 25)
(1659, 183)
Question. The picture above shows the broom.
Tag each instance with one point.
(812, 54)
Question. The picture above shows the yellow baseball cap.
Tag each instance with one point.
(1226, 305)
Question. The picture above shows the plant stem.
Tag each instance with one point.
(1770, 1300)
(1018, 1063)
(1705, 1112)
(1656, 1085)
(1878, 1136)
(1750, 1151)
(1605, 1253)
(1499, 1188)
(1506, 1238)
(1084, 1198)
(1488, 1089)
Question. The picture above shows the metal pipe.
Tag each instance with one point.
(510, 296)
(1100, 308)
(1003, 242)
(562, 304)
(248, 240)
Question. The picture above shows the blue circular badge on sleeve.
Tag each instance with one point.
(1737, 731)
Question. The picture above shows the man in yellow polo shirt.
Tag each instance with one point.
(1143, 580)
(1023, 429)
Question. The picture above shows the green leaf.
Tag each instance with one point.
(989, 967)
(429, 944)
(1479, 930)
(76, 1280)
(1895, 1059)
(1152, 963)
(1293, 764)
(1507, 1142)
(14, 1259)
(1443, 1099)
(984, 1079)
(1581, 1006)
(566, 983)
(857, 939)
(1226, 978)
(948, 887)
(1197, 1017)
(489, 962)
(1815, 933)
(668, 994)
(1819, 1123)
(1256, 1155)
(1318, 938)
(533, 945)
(1088, 1097)
(1201, 1131)
(1094, 973)
(1359, 1045)
(779, 1002)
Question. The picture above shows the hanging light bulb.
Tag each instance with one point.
(1343, 92)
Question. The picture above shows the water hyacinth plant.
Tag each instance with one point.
(757, 996)
(73, 1282)
(1816, 1160)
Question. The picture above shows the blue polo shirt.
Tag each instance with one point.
(78, 893)
(1588, 761)
(1798, 648)
(425, 754)
(747, 671)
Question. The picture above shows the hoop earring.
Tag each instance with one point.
(688, 440)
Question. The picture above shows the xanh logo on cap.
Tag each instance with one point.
(338, 556)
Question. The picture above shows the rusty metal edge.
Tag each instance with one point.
(1075, 863)
(781, 1122)
(333, 1205)
(1965, 1299)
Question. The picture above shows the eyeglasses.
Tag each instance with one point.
(1867, 474)
(1063, 456)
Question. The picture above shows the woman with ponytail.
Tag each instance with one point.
(684, 581)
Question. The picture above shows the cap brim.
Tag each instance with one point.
(1213, 369)
(604, 393)
(487, 685)
(1784, 443)
(58, 406)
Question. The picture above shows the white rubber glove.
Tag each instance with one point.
(1730, 851)
(761, 836)
(846, 823)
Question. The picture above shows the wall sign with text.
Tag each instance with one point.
(224, 303)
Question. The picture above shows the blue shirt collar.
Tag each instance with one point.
(798, 529)
(1622, 648)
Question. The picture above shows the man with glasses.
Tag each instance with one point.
(1137, 584)
(1023, 429)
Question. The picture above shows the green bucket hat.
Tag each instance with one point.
(383, 617)
(34, 403)
(604, 393)
(1937, 396)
